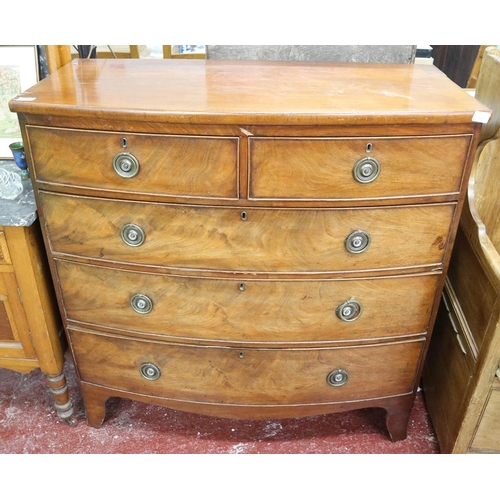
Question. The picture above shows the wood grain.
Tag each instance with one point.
(269, 240)
(233, 130)
(323, 168)
(234, 376)
(250, 92)
(268, 311)
(176, 165)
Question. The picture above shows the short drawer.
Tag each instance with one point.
(247, 376)
(336, 169)
(255, 240)
(192, 166)
(290, 311)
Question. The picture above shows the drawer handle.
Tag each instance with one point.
(349, 311)
(150, 371)
(126, 165)
(141, 304)
(133, 235)
(337, 378)
(366, 170)
(357, 241)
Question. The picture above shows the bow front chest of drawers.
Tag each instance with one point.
(247, 239)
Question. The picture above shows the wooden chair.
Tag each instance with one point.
(461, 375)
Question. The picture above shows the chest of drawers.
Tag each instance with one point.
(249, 240)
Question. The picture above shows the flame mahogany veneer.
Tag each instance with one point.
(249, 239)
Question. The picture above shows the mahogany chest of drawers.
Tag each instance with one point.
(246, 239)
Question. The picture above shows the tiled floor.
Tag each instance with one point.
(29, 425)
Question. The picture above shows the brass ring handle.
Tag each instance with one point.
(132, 235)
(350, 310)
(357, 242)
(150, 371)
(141, 304)
(366, 170)
(126, 165)
(337, 378)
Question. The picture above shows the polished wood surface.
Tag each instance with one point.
(234, 376)
(268, 240)
(178, 165)
(322, 168)
(250, 92)
(266, 311)
(246, 204)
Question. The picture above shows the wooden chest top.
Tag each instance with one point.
(250, 92)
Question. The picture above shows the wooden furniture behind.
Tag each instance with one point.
(59, 55)
(31, 334)
(461, 376)
(456, 61)
(249, 239)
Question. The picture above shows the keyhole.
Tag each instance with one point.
(369, 147)
(243, 216)
(124, 142)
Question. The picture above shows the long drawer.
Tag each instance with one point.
(248, 311)
(360, 168)
(193, 166)
(246, 376)
(253, 240)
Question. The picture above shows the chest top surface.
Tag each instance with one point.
(250, 92)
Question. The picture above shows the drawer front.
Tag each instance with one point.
(250, 310)
(168, 165)
(247, 376)
(263, 240)
(283, 168)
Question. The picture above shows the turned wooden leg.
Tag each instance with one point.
(94, 400)
(63, 403)
(398, 416)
